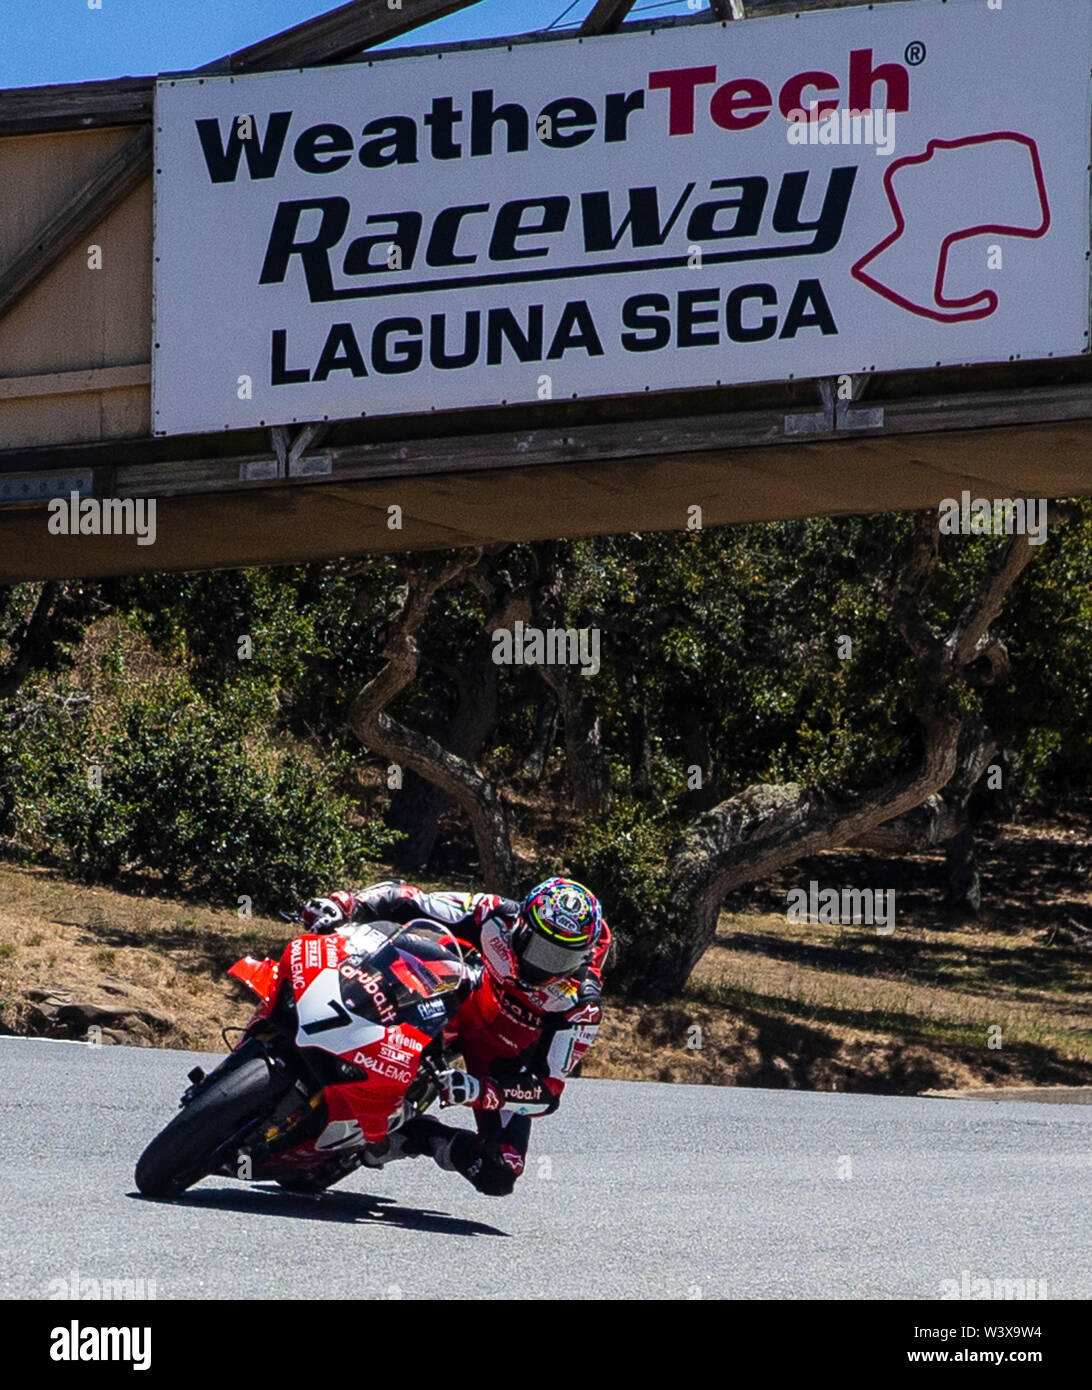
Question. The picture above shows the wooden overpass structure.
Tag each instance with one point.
(75, 393)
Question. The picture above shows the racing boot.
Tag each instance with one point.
(420, 1136)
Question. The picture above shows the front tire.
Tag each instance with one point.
(188, 1149)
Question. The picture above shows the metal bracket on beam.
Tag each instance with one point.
(316, 464)
(43, 487)
(289, 460)
(838, 415)
(849, 416)
(279, 435)
(815, 422)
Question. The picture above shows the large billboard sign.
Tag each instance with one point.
(846, 191)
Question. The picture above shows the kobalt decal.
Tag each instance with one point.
(522, 1093)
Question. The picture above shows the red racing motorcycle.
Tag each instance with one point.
(345, 1046)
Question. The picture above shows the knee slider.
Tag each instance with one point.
(500, 1168)
(494, 1180)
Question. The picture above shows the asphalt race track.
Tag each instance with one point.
(632, 1190)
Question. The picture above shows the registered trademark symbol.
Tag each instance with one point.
(915, 54)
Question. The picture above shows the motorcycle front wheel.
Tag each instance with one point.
(189, 1148)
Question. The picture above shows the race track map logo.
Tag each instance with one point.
(985, 185)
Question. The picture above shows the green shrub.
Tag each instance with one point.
(195, 791)
(624, 858)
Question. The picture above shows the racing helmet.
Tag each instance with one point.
(558, 925)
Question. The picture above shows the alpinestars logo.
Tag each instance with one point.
(954, 182)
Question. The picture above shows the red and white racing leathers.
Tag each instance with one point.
(519, 1041)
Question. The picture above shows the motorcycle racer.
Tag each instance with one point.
(521, 1033)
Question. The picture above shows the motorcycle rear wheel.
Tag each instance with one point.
(189, 1148)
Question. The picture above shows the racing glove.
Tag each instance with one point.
(460, 1088)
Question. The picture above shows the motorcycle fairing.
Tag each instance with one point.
(261, 976)
(369, 1004)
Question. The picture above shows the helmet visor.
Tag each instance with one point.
(548, 959)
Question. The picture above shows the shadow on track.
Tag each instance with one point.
(355, 1208)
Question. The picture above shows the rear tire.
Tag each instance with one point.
(187, 1149)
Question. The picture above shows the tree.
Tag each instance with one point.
(477, 795)
(769, 826)
(39, 626)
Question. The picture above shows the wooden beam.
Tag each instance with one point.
(469, 453)
(340, 33)
(298, 522)
(641, 439)
(107, 187)
(951, 398)
(76, 106)
(606, 16)
(23, 388)
(130, 100)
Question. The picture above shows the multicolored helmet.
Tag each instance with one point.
(559, 924)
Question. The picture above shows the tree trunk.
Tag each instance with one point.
(696, 753)
(939, 818)
(543, 739)
(474, 793)
(637, 736)
(767, 828)
(32, 645)
(586, 767)
(964, 887)
(417, 808)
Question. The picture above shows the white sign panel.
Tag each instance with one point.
(850, 191)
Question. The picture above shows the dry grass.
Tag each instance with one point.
(937, 1005)
(88, 941)
(774, 1003)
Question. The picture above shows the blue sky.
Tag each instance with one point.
(45, 41)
